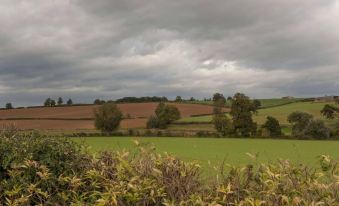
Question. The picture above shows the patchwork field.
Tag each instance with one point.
(81, 117)
(211, 152)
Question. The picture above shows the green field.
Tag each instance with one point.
(279, 112)
(264, 102)
(210, 152)
(282, 112)
(276, 102)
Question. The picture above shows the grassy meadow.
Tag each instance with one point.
(211, 152)
(279, 112)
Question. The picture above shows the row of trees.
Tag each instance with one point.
(141, 99)
(9, 106)
(240, 122)
(51, 102)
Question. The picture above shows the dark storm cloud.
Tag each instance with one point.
(86, 49)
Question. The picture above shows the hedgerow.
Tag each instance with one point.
(41, 170)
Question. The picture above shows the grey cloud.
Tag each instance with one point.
(108, 49)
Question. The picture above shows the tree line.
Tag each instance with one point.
(240, 123)
(51, 102)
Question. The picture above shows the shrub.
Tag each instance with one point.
(299, 121)
(223, 124)
(272, 127)
(165, 114)
(38, 170)
(304, 126)
(60, 155)
(316, 129)
(257, 104)
(330, 112)
(108, 117)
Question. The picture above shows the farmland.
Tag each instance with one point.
(136, 114)
(212, 151)
(81, 117)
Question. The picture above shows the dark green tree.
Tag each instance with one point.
(218, 102)
(47, 102)
(272, 126)
(316, 129)
(107, 117)
(69, 102)
(223, 124)
(53, 103)
(165, 114)
(257, 104)
(219, 99)
(178, 99)
(98, 102)
(9, 105)
(159, 108)
(241, 111)
(329, 111)
(60, 101)
(299, 121)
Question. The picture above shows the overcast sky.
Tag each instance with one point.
(86, 49)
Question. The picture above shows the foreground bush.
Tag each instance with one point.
(57, 171)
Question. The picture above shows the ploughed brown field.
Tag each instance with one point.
(81, 117)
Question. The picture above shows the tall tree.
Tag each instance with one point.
(53, 103)
(257, 104)
(60, 101)
(299, 121)
(241, 111)
(164, 115)
(219, 99)
(69, 102)
(178, 99)
(272, 126)
(47, 102)
(9, 105)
